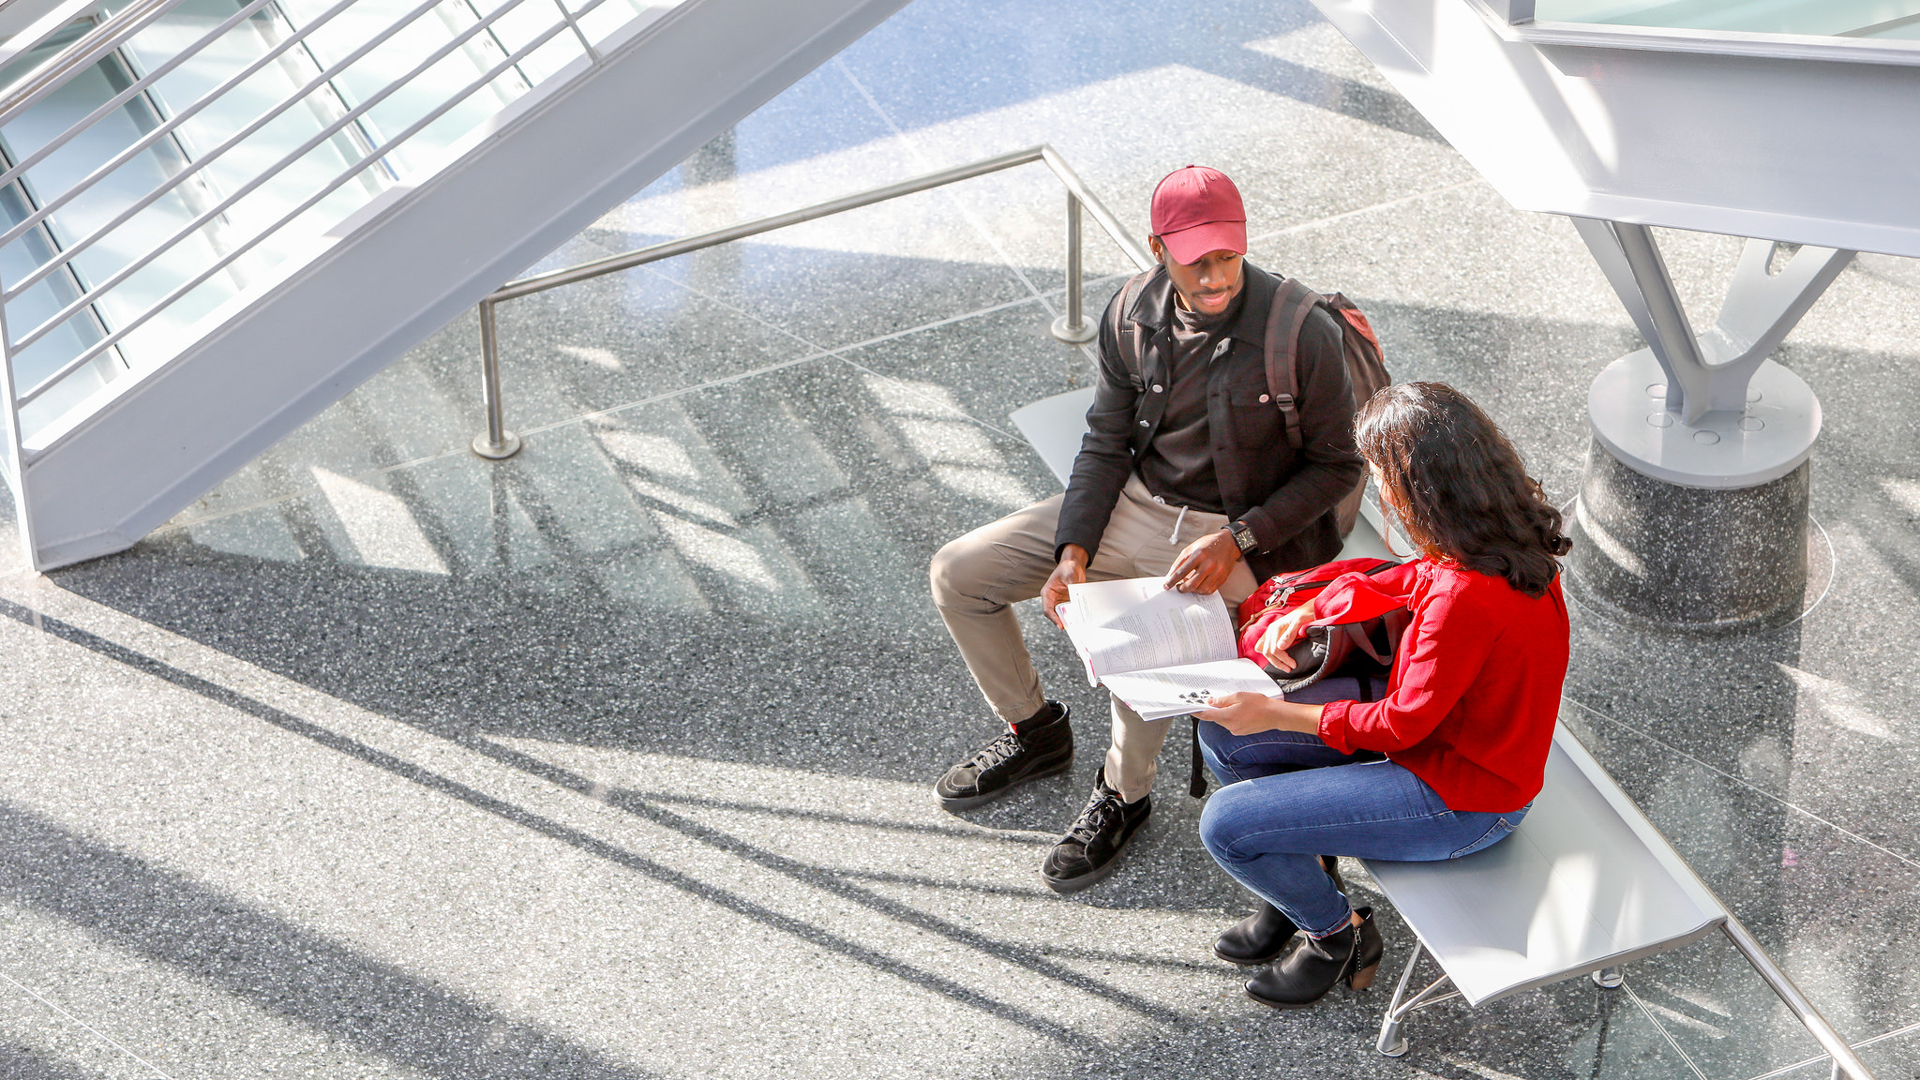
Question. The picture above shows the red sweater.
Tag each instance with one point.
(1475, 688)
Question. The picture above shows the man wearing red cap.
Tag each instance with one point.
(1186, 471)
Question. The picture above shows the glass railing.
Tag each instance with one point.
(157, 166)
(1879, 19)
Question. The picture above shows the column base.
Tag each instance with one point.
(1698, 558)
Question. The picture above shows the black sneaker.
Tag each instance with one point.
(1091, 849)
(1042, 746)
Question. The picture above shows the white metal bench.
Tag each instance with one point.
(1585, 885)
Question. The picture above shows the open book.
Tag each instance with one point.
(1163, 652)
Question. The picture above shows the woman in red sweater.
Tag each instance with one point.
(1450, 759)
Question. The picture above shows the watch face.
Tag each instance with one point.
(1243, 536)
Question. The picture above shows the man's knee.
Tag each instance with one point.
(954, 573)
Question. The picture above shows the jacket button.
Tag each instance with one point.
(1156, 388)
(1264, 399)
(1143, 423)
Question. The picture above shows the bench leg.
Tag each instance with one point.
(1609, 978)
(1391, 1043)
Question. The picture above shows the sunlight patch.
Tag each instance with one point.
(381, 529)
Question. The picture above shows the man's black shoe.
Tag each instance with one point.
(1040, 745)
(1091, 849)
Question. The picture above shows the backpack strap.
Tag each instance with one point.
(1125, 330)
(1292, 301)
(1197, 783)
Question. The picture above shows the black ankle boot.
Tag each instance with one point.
(1256, 939)
(1314, 965)
(1263, 935)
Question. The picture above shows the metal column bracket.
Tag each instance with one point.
(1707, 410)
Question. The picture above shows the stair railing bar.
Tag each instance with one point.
(493, 34)
(226, 260)
(174, 181)
(361, 134)
(141, 144)
(44, 236)
(43, 29)
(52, 74)
(250, 186)
(497, 443)
(593, 54)
(124, 96)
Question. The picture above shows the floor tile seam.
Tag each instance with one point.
(1662, 1029)
(751, 316)
(655, 399)
(932, 403)
(1789, 804)
(913, 149)
(90, 1029)
(1819, 1058)
(1361, 211)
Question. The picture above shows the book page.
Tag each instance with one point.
(1176, 691)
(1138, 623)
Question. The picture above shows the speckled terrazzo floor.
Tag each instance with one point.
(613, 760)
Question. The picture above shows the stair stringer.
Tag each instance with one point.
(414, 260)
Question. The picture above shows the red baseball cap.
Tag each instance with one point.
(1197, 210)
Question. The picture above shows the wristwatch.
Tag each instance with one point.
(1243, 536)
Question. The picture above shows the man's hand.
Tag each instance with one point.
(1206, 563)
(1071, 571)
(1246, 714)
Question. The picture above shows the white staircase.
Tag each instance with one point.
(220, 216)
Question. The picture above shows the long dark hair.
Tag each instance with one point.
(1458, 485)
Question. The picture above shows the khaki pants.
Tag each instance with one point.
(978, 577)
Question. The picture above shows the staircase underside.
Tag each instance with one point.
(415, 259)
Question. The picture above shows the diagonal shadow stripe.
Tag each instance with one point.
(830, 880)
(27, 1063)
(274, 966)
(612, 853)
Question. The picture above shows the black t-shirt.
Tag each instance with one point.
(1178, 465)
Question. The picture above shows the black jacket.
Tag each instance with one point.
(1286, 496)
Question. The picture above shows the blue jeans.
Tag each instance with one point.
(1290, 798)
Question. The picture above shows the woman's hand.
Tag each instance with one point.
(1283, 632)
(1246, 714)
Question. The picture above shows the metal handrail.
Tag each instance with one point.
(233, 255)
(1843, 1056)
(497, 443)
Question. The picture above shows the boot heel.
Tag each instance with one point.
(1363, 978)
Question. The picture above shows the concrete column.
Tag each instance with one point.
(1693, 508)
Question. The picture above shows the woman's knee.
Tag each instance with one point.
(1223, 822)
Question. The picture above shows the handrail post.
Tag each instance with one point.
(1073, 328)
(496, 443)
